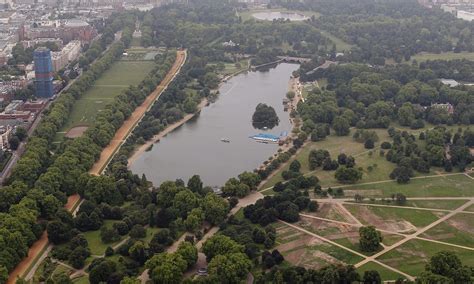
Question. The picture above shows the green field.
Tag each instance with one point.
(341, 45)
(443, 56)
(456, 230)
(437, 186)
(96, 246)
(412, 256)
(81, 280)
(470, 208)
(119, 77)
(448, 204)
(385, 274)
(335, 145)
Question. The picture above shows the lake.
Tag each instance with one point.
(196, 146)
(270, 16)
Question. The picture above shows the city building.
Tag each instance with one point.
(66, 30)
(43, 72)
(5, 133)
(68, 54)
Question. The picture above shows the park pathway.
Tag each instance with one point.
(417, 233)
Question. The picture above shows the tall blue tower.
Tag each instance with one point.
(43, 72)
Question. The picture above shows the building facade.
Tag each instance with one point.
(43, 73)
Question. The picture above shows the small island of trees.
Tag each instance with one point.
(264, 117)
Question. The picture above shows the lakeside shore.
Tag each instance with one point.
(170, 128)
(139, 150)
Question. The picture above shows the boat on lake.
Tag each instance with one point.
(225, 140)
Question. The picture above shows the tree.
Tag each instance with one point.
(250, 179)
(369, 239)
(264, 116)
(166, 267)
(109, 235)
(341, 126)
(348, 175)
(194, 220)
(371, 277)
(295, 166)
(215, 208)
(447, 264)
(58, 232)
(195, 184)
(401, 174)
(3, 274)
(189, 253)
(60, 278)
(14, 142)
(230, 268)
(220, 245)
(78, 257)
(138, 252)
(101, 271)
(21, 133)
(369, 144)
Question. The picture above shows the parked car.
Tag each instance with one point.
(202, 271)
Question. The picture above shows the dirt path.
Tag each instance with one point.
(345, 248)
(416, 234)
(127, 127)
(38, 249)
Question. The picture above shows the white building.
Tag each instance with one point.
(68, 54)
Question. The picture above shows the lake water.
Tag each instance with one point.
(196, 147)
(270, 16)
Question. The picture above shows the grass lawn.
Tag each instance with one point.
(412, 256)
(432, 204)
(81, 280)
(341, 45)
(389, 239)
(338, 253)
(443, 56)
(119, 77)
(419, 218)
(438, 186)
(335, 145)
(231, 68)
(149, 234)
(470, 208)
(385, 274)
(456, 230)
(61, 269)
(96, 245)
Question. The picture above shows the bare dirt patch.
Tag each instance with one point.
(331, 211)
(76, 131)
(461, 224)
(369, 217)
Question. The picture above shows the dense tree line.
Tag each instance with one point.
(389, 29)
(215, 22)
(364, 97)
(437, 147)
(42, 180)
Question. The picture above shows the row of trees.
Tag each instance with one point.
(42, 180)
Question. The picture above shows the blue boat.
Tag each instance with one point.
(266, 138)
